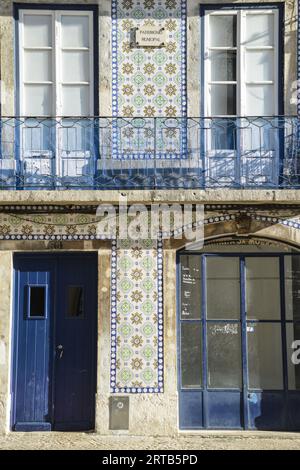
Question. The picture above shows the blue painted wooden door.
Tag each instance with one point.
(54, 376)
(74, 378)
(238, 320)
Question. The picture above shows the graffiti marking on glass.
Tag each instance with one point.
(296, 354)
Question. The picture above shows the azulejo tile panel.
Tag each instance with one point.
(137, 317)
(149, 82)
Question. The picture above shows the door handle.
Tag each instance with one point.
(60, 350)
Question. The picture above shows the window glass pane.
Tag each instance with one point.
(75, 31)
(223, 100)
(265, 356)
(293, 356)
(260, 30)
(261, 135)
(190, 286)
(75, 66)
(292, 287)
(38, 100)
(37, 301)
(75, 301)
(37, 30)
(223, 65)
(263, 288)
(224, 355)
(223, 135)
(75, 100)
(259, 66)
(223, 288)
(260, 100)
(223, 30)
(37, 66)
(75, 135)
(191, 354)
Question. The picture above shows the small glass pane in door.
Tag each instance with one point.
(37, 100)
(259, 65)
(223, 65)
(223, 100)
(190, 287)
(75, 100)
(37, 301)
(75, 66)
(224, 355)
(292, 287)
(259, 29)
(75, 301)
(37, 30)
(223, 287)
(75, 31)
(223, 30)
(259, 100)
(37, 66)
(293, 355)
(263, 288)
(191, 354)
(265, 356)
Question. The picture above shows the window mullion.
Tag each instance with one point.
(57, 88)
(242, 64)
(58, 64)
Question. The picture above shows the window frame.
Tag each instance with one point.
(244, 320)
(234, 9)
(54, 9)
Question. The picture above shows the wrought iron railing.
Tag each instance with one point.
(171, 153)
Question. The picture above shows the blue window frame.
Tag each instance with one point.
(234, 7)
(238, 146)
(59, 147)
(247, 370)
(61, 7)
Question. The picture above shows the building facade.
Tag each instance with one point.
(109, 108)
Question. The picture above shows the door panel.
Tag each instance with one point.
(32, 394)
(267, 411)
(75, 344)
(224, 409)
(191, 409)
(56, 304)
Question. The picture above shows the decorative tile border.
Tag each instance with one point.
(50, 226)
(137, 317)
(21, 223)
(41, 222)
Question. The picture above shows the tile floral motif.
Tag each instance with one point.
(136, 319)
(149, 82)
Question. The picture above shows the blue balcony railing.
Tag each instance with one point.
(149, 153)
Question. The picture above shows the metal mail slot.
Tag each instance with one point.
(118, 413)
